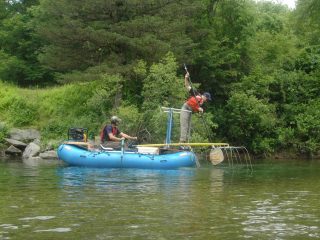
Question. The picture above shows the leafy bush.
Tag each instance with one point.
(131, 119)
(106, 96)
(21, 113)
(203, 128)
(55, 130)
(155, 122)
(11, 68)
(308, 127)
(161, 86)
(66, 103)
(3, 132)
(248, 121)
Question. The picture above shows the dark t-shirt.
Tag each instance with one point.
(109, 129)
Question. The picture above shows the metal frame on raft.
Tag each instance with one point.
(218, 152)
(237, 155)
(170, 112)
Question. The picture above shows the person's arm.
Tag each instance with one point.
(186, 82)
(192, 91)
(126, 136)
(111, 136)
(114, 138)
(199, 103)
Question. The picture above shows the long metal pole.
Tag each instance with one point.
(169, 126)
(195, 96)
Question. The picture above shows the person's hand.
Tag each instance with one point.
(187, 75)
(200, 110)
(135, 138)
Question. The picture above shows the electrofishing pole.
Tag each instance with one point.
(195, 96)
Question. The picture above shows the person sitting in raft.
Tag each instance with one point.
(111, 136)
(193, 104)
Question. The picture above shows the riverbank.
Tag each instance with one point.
(54, 110)
(26, 144)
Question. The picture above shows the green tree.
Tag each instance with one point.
(306, 20)
(162, 87)
(250, 121)
(87, 33)
(308, 127)
(106, 97)
(19, 46)
(221, 57)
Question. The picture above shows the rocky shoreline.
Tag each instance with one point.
(25, 144)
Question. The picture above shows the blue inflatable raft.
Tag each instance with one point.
(149, 158)
(83, 154)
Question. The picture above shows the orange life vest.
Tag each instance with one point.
(195, 103)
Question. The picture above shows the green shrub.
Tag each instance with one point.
(3, 132)
(11, 68)
(131, 119)
(203, 128)
(21, 113)
(308, 127)
(162, 87)
(55, 130)
(105, 97)
(155, 122)
(248, 121)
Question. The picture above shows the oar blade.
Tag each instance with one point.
(216, 156)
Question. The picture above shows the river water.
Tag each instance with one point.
(277, 200)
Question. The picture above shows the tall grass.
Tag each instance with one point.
(52, 110)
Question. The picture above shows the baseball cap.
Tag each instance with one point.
(115, 119)
(207, 95)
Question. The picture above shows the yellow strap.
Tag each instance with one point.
(186, 144)
(78, 143)
(163, 144)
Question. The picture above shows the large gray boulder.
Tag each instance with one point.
(31, 150)
(16, 143)
(12, 150)
(24, 135)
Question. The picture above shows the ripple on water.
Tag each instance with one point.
(9, 226)
(55, 230)
(37, 218)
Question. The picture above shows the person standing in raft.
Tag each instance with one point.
(193, 104)
(111, 136)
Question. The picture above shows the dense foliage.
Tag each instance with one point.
(87, 60)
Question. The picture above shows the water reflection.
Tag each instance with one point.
(37, 161)
(282, 216)
(142, 180)
(57, 202)
(216, 180)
